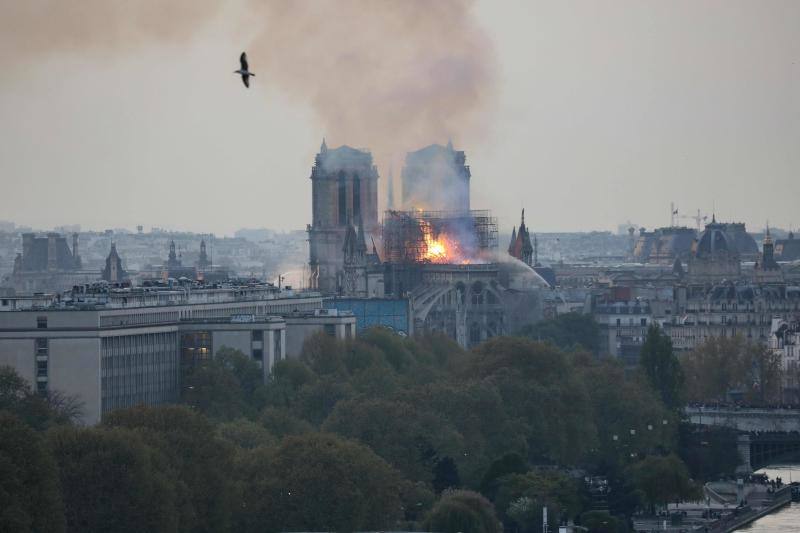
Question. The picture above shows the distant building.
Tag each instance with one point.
(716, 256)
(784, 341)
(664, 245)
(47, 264)
(787, 249)
(767, 270)
(121, 347)
(173, 268)
(362, 275)
(436, 178)
(113, 272)
(520, 245)
(203, 262)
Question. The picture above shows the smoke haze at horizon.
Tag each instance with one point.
(587, 115)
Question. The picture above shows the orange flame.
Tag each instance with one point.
(442, 248)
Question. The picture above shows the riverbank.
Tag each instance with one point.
(743, 516)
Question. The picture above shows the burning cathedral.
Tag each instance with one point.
(435, 252)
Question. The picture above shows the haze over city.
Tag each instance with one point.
(456, 266)
(589, 114)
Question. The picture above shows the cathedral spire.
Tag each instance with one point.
(362, 241)
(324, 147)
(513, 240)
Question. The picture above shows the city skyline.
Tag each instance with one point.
(590, 117)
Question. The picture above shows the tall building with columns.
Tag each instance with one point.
(344, 189)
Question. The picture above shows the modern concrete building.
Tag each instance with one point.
(301, 325)
(120, 347)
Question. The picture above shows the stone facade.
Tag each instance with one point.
(344, 183)
(436, 178)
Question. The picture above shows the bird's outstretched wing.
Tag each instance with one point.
(246, 80)
(243, 60)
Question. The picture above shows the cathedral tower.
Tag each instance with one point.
(344, 189)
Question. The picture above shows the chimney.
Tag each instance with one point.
(75, 254)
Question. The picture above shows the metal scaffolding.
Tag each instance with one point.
(407, 235)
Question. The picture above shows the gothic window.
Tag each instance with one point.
(475, 333)
(356, 198)
(342, 200)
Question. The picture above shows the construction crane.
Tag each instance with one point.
(699, 220)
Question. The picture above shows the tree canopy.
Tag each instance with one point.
(731, 368)
(661, 367)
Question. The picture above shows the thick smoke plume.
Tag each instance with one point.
(392, 76)
(389, 75)
(35, 28)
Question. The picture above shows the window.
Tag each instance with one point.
(330, 329)
(342, 200)
(257, 335)
(258, 354)
(348, 331)
(41, 322)
(356, 198)
(475, 333)
(644, 322)
(41, 369)
(619, 322)
(41, 387)
(41, 347)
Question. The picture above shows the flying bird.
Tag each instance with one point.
(244, 71)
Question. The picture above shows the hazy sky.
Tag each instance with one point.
(588, 114)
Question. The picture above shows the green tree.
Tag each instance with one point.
(559, 493)
(30, 497)
(463, 511)
(316, 400)
(629, 416)
(214, 391)
(281, 422)
(568, 331)
(245, 433)
(411, 439)
(661, 367)
(288, 376)
(323, 354)
(112, 481)
(201, 461)
(663, 480)
(724, 366)
(476, 411)
(541, 392)
(709, 452)
(226, 387)
(246, 370)
(39, 411)
(317, 482)
(600, 522)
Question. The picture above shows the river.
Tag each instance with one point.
(785, 519)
